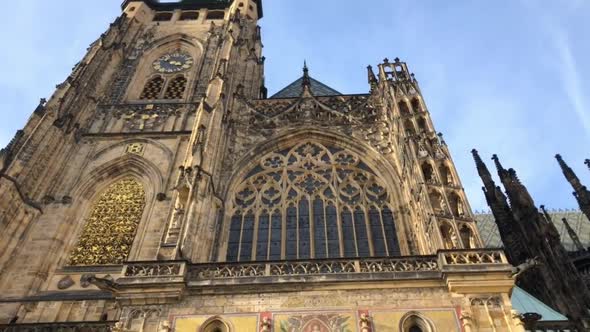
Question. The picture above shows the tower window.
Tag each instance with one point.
(153, 88)
(176, 87)
(416, 105)
(189, 16)
(403, 108)
(162, 17)
(216, 15)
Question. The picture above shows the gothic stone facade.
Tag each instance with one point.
(159, 189)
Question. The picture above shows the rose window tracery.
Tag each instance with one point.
(311, 201)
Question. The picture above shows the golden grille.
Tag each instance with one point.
(176, 88)
(109, 231)
(153, 88)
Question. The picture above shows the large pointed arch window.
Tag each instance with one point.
(311, 201)
(109, 231)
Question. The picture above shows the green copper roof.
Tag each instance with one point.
(295, 89)
(524, 302)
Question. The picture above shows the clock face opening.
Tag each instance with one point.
(173, 63)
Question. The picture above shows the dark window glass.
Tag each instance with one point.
(152, 88)
(215, 15)
(189, 16)
(348, 234)
(247, 235)
(332, 225)
(175, 89)
(390, 233)
(304, 238)
(291, 233)
(162, 17)
(361, 233)
(234, 238)
(377, 232)
(262, 245)
(415, 329)
(276, 234)
(319, 228)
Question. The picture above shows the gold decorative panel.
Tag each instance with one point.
(110, 229)
(135, 148)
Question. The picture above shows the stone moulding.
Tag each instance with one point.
(177, 276)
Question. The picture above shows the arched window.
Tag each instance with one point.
(323, 201)
(448, 236)
(403, 108)
(410, 129)
(153, 88)
(436, 201)
(415, 322)
(176, 87)
(456, 205)
(467, 237)
(446, 174)
(110, 229)
(416, 105)
(216, 326)
(216, 15)
(422, 124)
(428, 173)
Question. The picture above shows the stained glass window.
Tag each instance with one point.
(325, 202)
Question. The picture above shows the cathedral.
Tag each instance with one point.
(160, 188)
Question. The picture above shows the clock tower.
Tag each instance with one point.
(161, 189)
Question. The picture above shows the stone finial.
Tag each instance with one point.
(573, 235)
(306, 78)
(587, 162)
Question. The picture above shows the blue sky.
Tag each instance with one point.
(507, 77)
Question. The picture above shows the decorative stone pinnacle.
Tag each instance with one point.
(306, 79)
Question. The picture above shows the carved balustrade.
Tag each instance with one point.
(67, 326)
(473, 257)
(153, 272)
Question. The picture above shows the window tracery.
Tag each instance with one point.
(176, 87)
(311, 201)
(153, 88)
(110, 229)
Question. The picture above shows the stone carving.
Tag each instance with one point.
(477, 257)
(365, 322)
(65, 283)
(341, 266)
(494, 301)
(110, 229)
(152, 270)
(266, 325)
(399, 265)
(145, 117)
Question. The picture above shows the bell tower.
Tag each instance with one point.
(161, 189)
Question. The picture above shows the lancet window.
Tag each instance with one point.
(153, 88)
(176, 87)
(110, 229)
(311, 201)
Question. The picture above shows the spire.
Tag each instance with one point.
(581, 192)
(573, 235)
(306, 79)
(569, 173)
(499, 167)
(372, 78)
(483, 171)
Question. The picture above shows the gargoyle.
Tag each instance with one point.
(528, 264)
